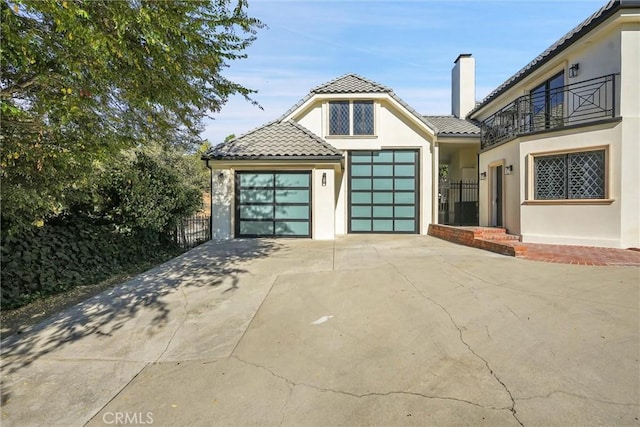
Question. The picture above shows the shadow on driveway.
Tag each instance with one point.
(208, 265)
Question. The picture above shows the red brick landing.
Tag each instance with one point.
(488, 238)
(497, 240)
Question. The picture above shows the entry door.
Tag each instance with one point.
(273, 204)
(383, 191)
(496, 214)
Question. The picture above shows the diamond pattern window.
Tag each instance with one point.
(339, 118)
(570, 176)
(363, 118)
(351, 118)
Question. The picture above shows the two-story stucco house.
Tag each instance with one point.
(350, 157)
(552, 154)
(560, 143)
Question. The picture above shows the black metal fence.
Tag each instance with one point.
(458, 203)
(193, 231)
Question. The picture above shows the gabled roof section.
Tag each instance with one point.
(558, 47)
(452, 126)
(354, 84)
(275, 141)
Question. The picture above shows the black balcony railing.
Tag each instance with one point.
(574, 104)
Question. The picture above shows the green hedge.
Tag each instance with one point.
(72, 251)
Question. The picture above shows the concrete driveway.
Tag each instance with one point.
(366, 330)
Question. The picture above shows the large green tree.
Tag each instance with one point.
(82, 80)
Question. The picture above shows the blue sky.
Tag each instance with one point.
(408, 46)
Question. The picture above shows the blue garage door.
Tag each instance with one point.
(383, 191)
(273, 204)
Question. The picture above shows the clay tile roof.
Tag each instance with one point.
(273, 141)
(351, 83)
(450, 125)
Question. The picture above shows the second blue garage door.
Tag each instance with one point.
(383, 191)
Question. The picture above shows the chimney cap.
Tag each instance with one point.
(462, 55)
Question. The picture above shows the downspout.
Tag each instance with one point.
(210, 198)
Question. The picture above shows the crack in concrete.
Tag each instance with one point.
(512, 409)
(294, 384)
(283, 410)
(580, 396)
(185, 313)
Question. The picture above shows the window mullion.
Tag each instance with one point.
(351, 128)
(567, 168)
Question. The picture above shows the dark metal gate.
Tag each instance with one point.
(193, 231)
(458, 203)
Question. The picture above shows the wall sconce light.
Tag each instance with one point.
(483, 175)
(324, 179)
(220, 177)
(573, 70)
(508, 170)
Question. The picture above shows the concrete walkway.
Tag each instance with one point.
(367, 330)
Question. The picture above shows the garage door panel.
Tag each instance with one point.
(361, 157)
(383, 157)
(360, 184)
(291, 228)
(383, 225)
(292, 180)
(401, 156)
(383, 191)
(404, 198)
(361, 211)
(405, 170)
(256, 212)
(383, 184)
(383, 170)
(360, 197)
(386, 197)
(405, 184)
(292, 212)
(362, 225)
(292, 196)
(383, 212)
(257, 228)
(256, 196)
(256, 180)
(404, 225)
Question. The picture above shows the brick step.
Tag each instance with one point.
(492, 239)
(499, 237)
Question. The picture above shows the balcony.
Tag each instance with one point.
(574, 104)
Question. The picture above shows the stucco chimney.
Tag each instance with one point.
(463, 85)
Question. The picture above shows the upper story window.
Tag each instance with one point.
(547, 103)
(351, 118)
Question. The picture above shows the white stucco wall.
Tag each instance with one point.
(630, 136)
(222, 204)
(323, 208)
(591, 224)
(612, 48)
(598, 54)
